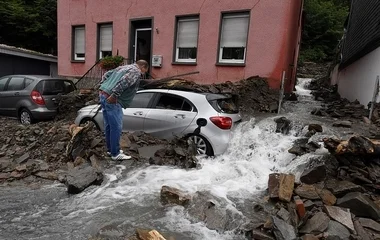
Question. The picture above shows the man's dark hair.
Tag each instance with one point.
(143, 63)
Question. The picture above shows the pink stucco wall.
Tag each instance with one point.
(273, 35)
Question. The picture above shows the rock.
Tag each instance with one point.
(281, 186)
(214, 212)
(314, 175)
(95, 142)
(362, 233)
(257, 235)
(4, 176)
(60, 146)
(5, 163)
(345, 124)
(149, 235)
(366, 120)
(282, 230)
(81, 177)
(307, 191)
(309, 205)
(300, 207)
(283, 125)
(283, 214)
(309, 237)
(369, 223)
(340, 188)
(327, 197)
(317, 224)
(171, 195)
(23, 158)
(360, 205)
(95, 163)
(315, 127)
(340, 215)
(336, 231)
(17, 174)
(297, 150)
(47, 175)
(79, 161)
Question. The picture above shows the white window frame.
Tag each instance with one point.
(185, 19)
(100, 50)
(229, 16)
(75, 34)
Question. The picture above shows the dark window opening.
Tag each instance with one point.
(141, 100)
(233, 53)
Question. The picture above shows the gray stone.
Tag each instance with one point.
(314, 174)
(283, 230)
(362, 233)
(341, 215)
(340, 188)
(307, 191)
(336, 231)
(345, 124)
(95, 142)
(317, 224)
(60, 146)
(171, 195)
(309, 205)
(283, 125)
(360, 205)
(283, 214)
(23, 158)
(81, 177)
(315, 127)
(214, 212)
(149, 151)
(257, 235)
(369, 223)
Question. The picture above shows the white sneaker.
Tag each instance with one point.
(121, 157)
(109, 153)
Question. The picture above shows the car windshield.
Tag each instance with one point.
(54, 87)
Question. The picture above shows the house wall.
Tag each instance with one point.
(19, 65)
(357, 81)
(273, 40)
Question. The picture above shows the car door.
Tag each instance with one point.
(169, 116)
(134, 115)
(13, 94)
(3, 84)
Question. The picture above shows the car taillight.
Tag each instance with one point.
(37, 98)
(222, 122)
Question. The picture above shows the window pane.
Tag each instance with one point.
(187, 53)
(105, 38)
(234, 30)
(28, 82)
(187, 36)
(186, 106)
(79, 35)
(233, 53)
(169, 102)
(141, 100)
(16, 84)
(3, 81)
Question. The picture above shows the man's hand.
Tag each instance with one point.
(111, 99)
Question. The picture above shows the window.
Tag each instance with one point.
(54, 87)
(3, 82)
(28, 82)
(105, 40)
(79, 43)
(141, 100)
(174, 103)
(16, 84)
(187, 39)
(233, 38)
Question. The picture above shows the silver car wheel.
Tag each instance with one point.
(200, 144)
(25, 118)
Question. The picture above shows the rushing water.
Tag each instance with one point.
(127, 200)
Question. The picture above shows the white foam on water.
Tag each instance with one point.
(302, 86)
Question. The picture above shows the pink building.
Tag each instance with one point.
(224, 40)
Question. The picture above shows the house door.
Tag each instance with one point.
(143, 50)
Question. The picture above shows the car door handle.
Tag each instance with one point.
(17, 93)
(139, 113)
(180, 115)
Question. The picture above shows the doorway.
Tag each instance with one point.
(140, 41)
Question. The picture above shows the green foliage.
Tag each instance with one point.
(30, 24)
(111, 62)
(323, 29)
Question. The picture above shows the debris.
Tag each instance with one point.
(171, 195)
(369, 223)
(300, 206)
(341, 215)
(317, 224)
(307, 191)
(315, 174)
(281, 186)
(327, 197)
(149, 235)
(360, 205)
(362, 233)
(81, 177)
(282, 230)
(340, 188)
(335, 230)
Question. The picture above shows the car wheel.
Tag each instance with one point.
(25, 117)
(203, 146)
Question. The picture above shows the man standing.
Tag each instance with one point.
(117, 90)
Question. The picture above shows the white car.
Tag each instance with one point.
(168, 113)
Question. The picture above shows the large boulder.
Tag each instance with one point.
(81, 177)
(360, 205)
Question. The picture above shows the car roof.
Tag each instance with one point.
(36, 77)
(187, 94)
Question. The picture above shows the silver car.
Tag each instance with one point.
(168, 113)
(32, 97)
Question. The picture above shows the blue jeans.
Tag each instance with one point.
(113, 124)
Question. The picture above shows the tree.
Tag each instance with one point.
(323, 28)
(30, 24)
